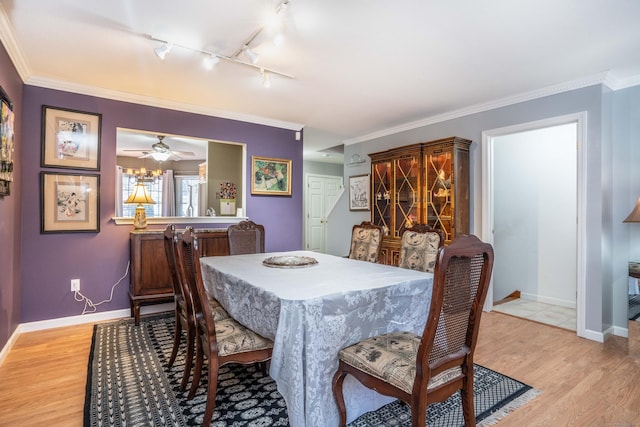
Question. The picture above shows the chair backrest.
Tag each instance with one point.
(419, 247)
(170, 247)
(366, 242)
(461, 279)
(245, 237)
(189, 257)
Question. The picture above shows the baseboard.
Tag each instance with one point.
(548, 300)
(621, 332)
(593, 335)
(90, 318)
(10, 342)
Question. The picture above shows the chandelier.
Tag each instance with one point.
(144, 175)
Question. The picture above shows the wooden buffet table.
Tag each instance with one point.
(150, 279)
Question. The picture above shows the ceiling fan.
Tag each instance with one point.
(161, 151)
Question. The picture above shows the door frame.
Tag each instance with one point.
(581, 196)
(305, 218)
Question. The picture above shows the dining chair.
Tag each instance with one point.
(245, 237)
(427, 368)
(183, 316)
(366, 242)
(221, 342)
(183, 306)
(419, 246)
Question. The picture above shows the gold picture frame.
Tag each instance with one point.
(270, 176)
(70, 138)
(69, 202)
(7, 165)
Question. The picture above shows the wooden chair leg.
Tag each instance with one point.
(177, 335)
(212, 390)
(338, 380)
(197, 372)
(468, 410)
(419, 413)
(188, 361)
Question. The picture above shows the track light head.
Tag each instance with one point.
(210, 61)
(266, 79)
(253, 57)
(162, 50)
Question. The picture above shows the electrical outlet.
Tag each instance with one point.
(75, 285)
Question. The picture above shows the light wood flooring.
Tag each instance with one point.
(583, 383)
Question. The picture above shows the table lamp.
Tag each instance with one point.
(634, 216)
(140, 196)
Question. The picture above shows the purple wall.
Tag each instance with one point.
(10, 211)
(100, 259)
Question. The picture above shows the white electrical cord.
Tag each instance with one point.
(88, 304)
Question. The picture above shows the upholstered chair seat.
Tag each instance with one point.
(392, 358)
(234, 338)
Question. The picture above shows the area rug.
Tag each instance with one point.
(634, 307)
(129, 384)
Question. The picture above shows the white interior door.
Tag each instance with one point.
(322, 192)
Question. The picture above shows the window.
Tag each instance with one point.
(187, 195)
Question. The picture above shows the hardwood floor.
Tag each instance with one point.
(583, 383)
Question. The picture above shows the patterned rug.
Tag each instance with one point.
(128, 384)
(634, 307)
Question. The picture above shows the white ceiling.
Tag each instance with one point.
(360, 67)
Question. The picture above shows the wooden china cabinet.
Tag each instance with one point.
(425, 183)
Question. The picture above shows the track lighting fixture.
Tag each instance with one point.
(212, 58)
(161, 51)
(266, 80)
(253, 57)
(210, 61)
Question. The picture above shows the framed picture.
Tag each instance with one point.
(69, 203)
(359, 193)
(6, 143)
(70, 139)
(270, 176)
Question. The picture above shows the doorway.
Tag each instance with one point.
(532, 177)
(322, 192)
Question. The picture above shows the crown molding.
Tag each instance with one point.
(11, 45)
(602, 78)
(157, 102)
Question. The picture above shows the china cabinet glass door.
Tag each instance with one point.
(407, 192)
(381, 184)
(439, 197)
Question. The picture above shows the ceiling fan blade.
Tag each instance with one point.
(184, 153)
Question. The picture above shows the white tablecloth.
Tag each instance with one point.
(311, 313)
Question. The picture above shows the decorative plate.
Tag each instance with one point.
(289, 261)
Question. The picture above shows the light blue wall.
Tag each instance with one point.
(612, 138)
(320, 168)
(626, 191)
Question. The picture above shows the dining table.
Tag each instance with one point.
(312, 305)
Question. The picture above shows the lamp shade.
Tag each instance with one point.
(140, 195)
(634, 216)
